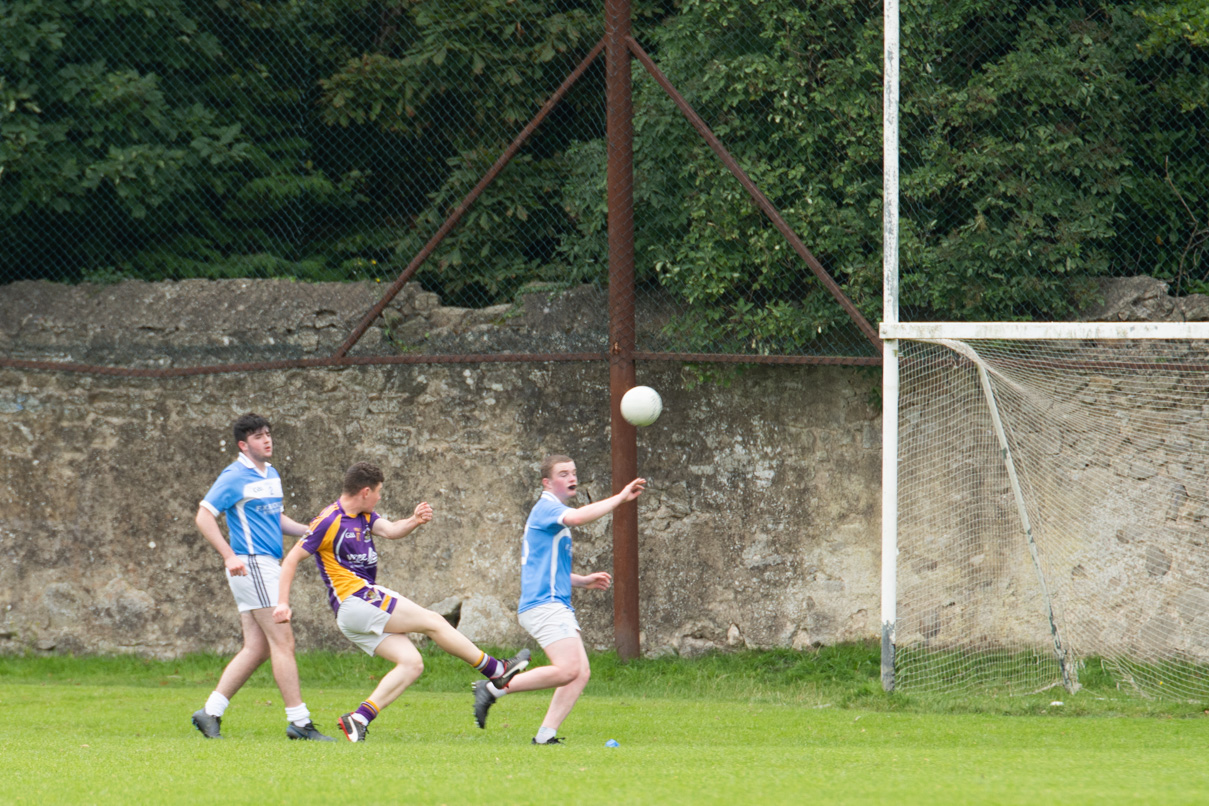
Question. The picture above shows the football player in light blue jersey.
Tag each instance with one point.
(248, 495)
(545, 607)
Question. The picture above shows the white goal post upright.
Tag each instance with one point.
(890, 94)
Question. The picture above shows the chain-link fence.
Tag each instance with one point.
(225, 183)
(1047, 148)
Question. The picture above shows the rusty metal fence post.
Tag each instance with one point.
(620, 127)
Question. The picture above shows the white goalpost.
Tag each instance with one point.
(1045, 493)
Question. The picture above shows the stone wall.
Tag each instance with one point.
(760, 526)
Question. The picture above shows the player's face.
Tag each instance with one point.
(563, 482)
(258, 445)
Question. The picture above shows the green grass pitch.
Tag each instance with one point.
(754, 727)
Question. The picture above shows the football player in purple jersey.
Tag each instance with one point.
(372, 616)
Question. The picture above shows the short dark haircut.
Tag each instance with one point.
(248, 424)
(360, 476)
(550, 461)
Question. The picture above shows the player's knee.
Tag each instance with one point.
(286, 644)
(412, 667)
(432, 623)
(256, 653)
(568, 673)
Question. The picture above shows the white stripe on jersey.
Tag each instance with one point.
(245, 533)
(566, 532)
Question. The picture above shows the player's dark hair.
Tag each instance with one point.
(248, 424)
(360, 476)
(550, 461)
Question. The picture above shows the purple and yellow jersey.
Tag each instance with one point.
(344, 552)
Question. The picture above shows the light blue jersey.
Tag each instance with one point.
(251, 503)
(546, 556)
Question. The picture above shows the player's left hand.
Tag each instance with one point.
(600, 581)
(282, 614)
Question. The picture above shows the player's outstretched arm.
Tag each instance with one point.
(393, 530)
(598, 509)
(289, 567)
(207, 524)
(600, 581)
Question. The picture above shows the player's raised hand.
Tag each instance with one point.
(633, 489)
(282, 614)
(423, 513)
(236, 566)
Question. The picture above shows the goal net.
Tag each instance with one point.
(1053, 514)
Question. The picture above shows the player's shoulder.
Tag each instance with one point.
(329, 512)
(233, 468)
(230, 475)
(547, 507)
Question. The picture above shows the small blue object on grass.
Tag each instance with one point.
(612, 743)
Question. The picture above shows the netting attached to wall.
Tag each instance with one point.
(1052, 507)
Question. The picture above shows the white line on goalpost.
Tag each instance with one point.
(890, 83)
(930, 331)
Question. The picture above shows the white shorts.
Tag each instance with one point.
(549, 623)
(363, 623)
(258, 589)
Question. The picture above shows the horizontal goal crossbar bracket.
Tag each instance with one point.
(1045, 330)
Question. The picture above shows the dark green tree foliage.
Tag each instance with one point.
(1017, 157)
(1042, 145)
(1035, 157)
(1170, 202)
(456, 82)
(94, 128)
(1034, 143)
(166, 138)
(793, 91)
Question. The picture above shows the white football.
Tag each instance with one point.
(641, 406)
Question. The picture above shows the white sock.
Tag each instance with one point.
(299, 715)
(496, 692)
(545, 734)
(217, 704)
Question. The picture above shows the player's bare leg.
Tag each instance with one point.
(280, 639)
(568, 674)
(568, 663)
(397, 649)
(247, 660)
(410, 617)
(569, 653)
